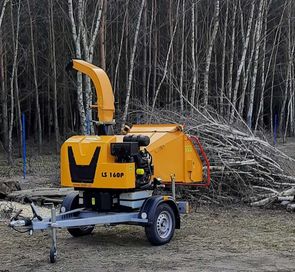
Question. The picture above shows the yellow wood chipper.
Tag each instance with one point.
(114, 176)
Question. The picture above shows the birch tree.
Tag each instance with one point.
(84, 38)
(54, 79)
(115, 82)
(232, 55)
(264, 74)
(144, 55)
(4, 110)
(76, 35)
(101, 19)
(35, 77)
(289, 107)
(130, 77)
(209, 53)
(3, 11)
(221, 106)
(182, 56)
(88, 46)
(15, 33)
(288, 84)
(246, 74)
(166, 61)
(275, 52)
(152, 21)
(255, 65)
(242, 62)
(194, 49)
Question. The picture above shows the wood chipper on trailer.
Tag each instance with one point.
(114, 176)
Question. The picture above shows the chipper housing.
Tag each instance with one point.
(87, 161)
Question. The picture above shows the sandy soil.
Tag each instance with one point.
(211, 239)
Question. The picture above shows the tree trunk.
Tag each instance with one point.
(15, 39)
(3, 11)
(129, 83)
(53, 63)
(88, 46)
(166, 62)
(155, 53)
(182, 56)
(150, 56)
(287, 89)
(38, 113)
(144, 55)
(170, 71)
(115, 84)
(288, 81)
(193, 45)
(231, 62)
(209, 54)
(255, 65)
(18, 112)
(246, 74)
(259, 117)
(242, 63)
(76, 35)
(221, 106)
(276, 48)
(102, 36)
(3, 95)
(289, 108)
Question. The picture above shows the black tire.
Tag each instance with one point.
(52, 255)
(71, 202)
(162, 229)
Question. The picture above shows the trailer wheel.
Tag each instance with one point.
(71, 202)
(162, 229)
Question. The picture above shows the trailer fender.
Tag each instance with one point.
(150, 205)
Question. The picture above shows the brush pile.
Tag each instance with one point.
(244, 167)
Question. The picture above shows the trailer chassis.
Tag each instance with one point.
(83, 217)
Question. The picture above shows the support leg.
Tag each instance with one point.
(53, 251)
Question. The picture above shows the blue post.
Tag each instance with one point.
(275, 129)
(88, 124)
(24, 145)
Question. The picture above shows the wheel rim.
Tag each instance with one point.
(164, 224)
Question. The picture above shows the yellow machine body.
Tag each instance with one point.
(87, 162)
(107, 173)
(172, 151)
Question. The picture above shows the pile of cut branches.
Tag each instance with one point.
(244, 167)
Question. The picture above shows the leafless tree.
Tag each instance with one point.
(209, 53)
(242, 62)
(54, 78)
(129, 83)
(15, 33)
(255, 65)
(166, 60)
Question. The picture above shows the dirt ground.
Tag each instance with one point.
(211, 238)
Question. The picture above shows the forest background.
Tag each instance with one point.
(235, 57)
